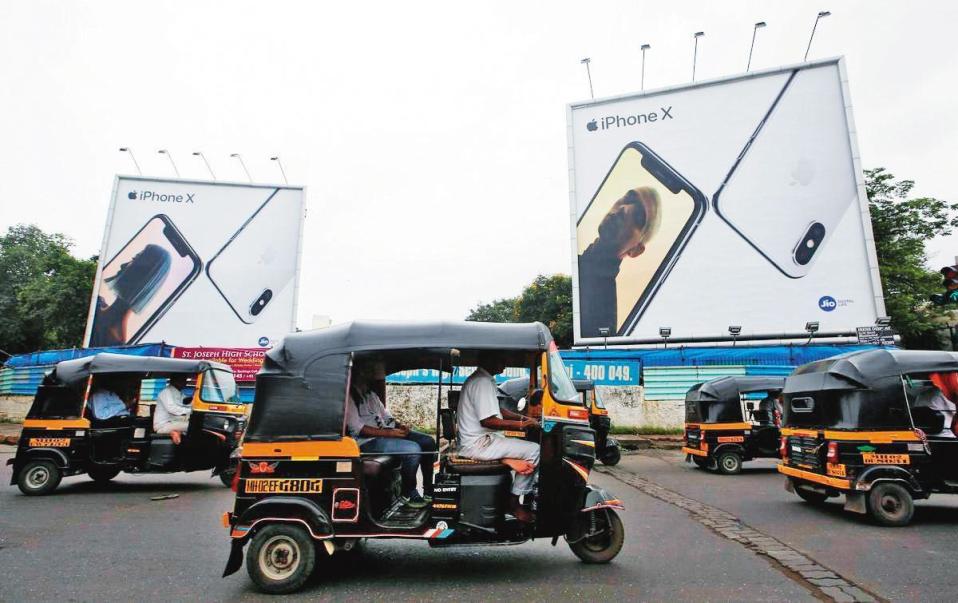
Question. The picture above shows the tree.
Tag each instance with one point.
(901, 228)
(548, 299)
(44, 291)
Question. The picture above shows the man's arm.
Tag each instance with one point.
(172, 406)
(508, 424)
(377, 432)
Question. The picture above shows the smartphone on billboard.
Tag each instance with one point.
(629, 238)
(142, 282)
(791, 185)
(259, 261)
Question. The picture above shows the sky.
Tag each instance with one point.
(431, 136)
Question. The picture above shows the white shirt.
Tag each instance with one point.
(169, 404)
(477, 401)
(369, 412)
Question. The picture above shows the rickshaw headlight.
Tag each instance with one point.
(832, 455)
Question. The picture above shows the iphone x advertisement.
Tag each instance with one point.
(197, 263)
(734, 202)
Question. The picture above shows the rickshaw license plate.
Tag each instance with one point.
(52, 442)
(835, 470)
(874, 458)
(294, 486)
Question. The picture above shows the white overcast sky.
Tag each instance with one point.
(431, 136)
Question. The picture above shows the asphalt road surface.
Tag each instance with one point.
(914, 563)
(83, 544)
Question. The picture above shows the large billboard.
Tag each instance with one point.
(737, 202)
(197, 263)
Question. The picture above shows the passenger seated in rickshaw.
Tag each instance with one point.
(112, 400)
(171, 416)
(939, 399)
(479, 421)
(378, 431)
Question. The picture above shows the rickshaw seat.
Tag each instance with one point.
(375, 467)
(465, 466)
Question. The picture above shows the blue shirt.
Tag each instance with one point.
(107, 405)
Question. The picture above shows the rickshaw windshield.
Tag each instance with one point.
(598, 399)
(560, 384)
(219, 386)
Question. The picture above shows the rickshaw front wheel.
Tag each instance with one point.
(39, 477)
(605, 544)
(102, 475)
(611, 456)
(890, 504)
(280, 558)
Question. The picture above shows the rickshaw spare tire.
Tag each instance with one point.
(810, 496)
(611, 456)
(102, 475)
(39, 477)
(890, 504)
(603, 547)
(280, 558)
(729, 463)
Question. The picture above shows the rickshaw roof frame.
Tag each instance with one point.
(298, 350)
(868, 369)
(732, 387)
(74, 371)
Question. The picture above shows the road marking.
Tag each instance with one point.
(825, 583)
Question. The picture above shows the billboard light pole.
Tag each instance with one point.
(280, 164)
(820, 16)
(665, 333)
(752, 47)
(135, 163)
(695, 51)
(170, 157)
(242, 163)
(644, 48)
(734, 331)
(588, 74)
(203, 157)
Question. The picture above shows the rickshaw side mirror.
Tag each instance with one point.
(521, 405)
(536, 398)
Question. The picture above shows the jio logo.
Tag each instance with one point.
(263, 341)
(827, 303)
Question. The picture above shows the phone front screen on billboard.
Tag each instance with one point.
(141, 282)
(629, 236)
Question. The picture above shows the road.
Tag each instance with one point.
(85, 543)
(914, 563)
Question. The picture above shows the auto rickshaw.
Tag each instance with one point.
(61, 437)
(304, 491)
(877, 426)
(723, 429)
(606, 448)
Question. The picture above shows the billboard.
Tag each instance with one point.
(732, 202)
(197, 263)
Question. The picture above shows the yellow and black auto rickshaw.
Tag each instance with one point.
(304, 491)
(62, 437)
(877, 426)
(606, 448)
(723, 428)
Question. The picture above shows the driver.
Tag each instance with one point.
(479, 422)
(172, 416)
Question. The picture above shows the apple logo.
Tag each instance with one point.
(803, 173)
(131, 195)
(591, 126)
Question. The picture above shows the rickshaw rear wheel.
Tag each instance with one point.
(611, 456)
(890, 504)
(729, 463)
(604, 546)
(102, 475)
(39, 477)
(280, 558)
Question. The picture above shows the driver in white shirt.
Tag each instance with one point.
(171, 415)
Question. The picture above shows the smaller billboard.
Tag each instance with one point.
(245, 362)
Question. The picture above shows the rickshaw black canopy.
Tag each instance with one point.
(860, 389)
(71, 372)
(301, 388)
(719, 400)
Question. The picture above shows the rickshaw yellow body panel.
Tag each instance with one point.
(201, 405)
(805, 433)
(56, 424)
(874, 437)
(305, 450)
(718, 426)
(694, 451)
(834, 482)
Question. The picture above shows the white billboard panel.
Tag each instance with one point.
(729, 202)
(197, 263)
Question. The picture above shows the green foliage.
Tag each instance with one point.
(44, 291)
(548, 299)
(901, 227)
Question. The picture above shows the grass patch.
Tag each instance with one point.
(647, 430)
